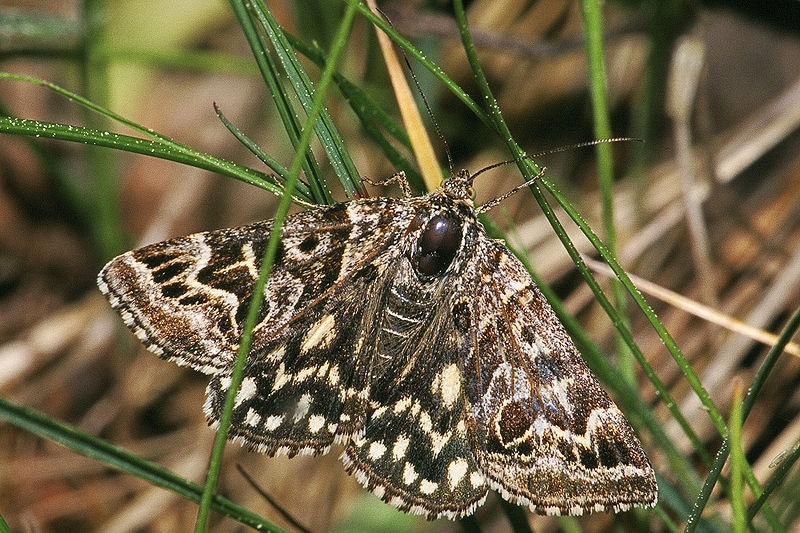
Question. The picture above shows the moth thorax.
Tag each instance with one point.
(437, 246)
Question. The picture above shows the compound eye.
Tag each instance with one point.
(437, 246)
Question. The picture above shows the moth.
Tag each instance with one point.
(396, 328)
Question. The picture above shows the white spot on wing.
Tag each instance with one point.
(439, 441)
(302, 407)
(409, 474)
(400, 447)
(450, 383)
(246, 391)
(476, 479)
(320, 335)
(376, 450)
(250, 260)
(333, 376)
(273, 421)
(276, 354)
(402, 405)
(428, 487)
(304, 374)
(281, 377)
(456, 471)
(425, 422)
(315, 423)
(252, 418)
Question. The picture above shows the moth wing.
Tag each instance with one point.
(417, 450)
(548, 434)
(187, 299)
(306, 388)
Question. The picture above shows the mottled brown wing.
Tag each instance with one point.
(417, 450)
(186, 298)
(548, 435)
(304, 384)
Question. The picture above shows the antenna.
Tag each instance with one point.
(491, 203)
(424, 101)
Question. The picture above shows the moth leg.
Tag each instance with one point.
(399, 178)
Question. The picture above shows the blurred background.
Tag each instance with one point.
(707, 208)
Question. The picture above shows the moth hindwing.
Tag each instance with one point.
(398, 329)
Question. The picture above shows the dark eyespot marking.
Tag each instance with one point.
(167, 271)
(513, 422)
(437, 246)
(309, 244)
(174, 290)
(154, 259)
(194, 299)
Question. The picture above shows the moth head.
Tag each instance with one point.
(459, 187)
(437, 244)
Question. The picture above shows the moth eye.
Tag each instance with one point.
(437, 246)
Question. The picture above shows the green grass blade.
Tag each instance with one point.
(161, 147)
(29, 32)
(776, 481)
(759, 381)
(373, 118)
(591, 12)
(259, 152)
(314, 111)
(89, 446)
(326, 131)
(737, 462)
(433, 68)
(280, 98)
